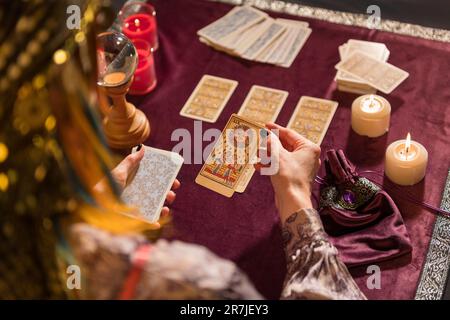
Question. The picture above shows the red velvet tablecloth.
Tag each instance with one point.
(245, 228)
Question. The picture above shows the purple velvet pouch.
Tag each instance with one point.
(361, 219)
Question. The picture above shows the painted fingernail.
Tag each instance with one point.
(139, 147)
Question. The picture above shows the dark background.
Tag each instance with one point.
(430, 13)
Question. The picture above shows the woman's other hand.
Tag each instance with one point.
(298, 160)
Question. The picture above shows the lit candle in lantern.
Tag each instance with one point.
(371, 115)
(406, 162)
(138, 20)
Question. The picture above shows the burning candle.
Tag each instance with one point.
(406, 162)
(144, 77)
(371, 115)
(138, 21)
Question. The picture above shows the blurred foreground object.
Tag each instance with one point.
(52, 149)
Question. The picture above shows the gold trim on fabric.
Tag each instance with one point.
(345, 18)
(437, 264)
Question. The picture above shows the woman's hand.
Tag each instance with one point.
(299, 161)
(125, 170)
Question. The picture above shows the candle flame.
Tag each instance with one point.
(137, 23)
(407, 145)
(408, 142)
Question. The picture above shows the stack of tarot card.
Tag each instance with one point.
(348, 83)
(251, 34)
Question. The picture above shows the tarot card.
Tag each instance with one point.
(376, 50)
(239, 43)
(217, 47)
(312, 117)
(299, 41)
(152, 181)
(342, 51)
(235, 149)
(266, 52)
(296, 23)
(280, 46)
(247, 176)
(263, 104)
(235, 21)
(265, 39)
(381, 75)
(356, 89)
(209, 98)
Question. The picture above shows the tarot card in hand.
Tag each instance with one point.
(261, 105)
(209, 98)
(312, 117)
(152, 181)
(233, 152)
(381, 75)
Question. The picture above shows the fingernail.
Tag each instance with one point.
(139, 147)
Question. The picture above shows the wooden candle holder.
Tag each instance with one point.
(124, 125)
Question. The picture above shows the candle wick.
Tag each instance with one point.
(371, 101)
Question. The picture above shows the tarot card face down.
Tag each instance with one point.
(376, 50)
(312, 117)
(381, 75)
(235, 21)
(234, 150)
(152, 181)
(263, 104)
(209, 98)
(269, 35)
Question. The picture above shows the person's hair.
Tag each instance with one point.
(52, 149)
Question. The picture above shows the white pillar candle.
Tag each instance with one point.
(406, 162)
(371, 115)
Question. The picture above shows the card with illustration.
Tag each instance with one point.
(234, 150)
